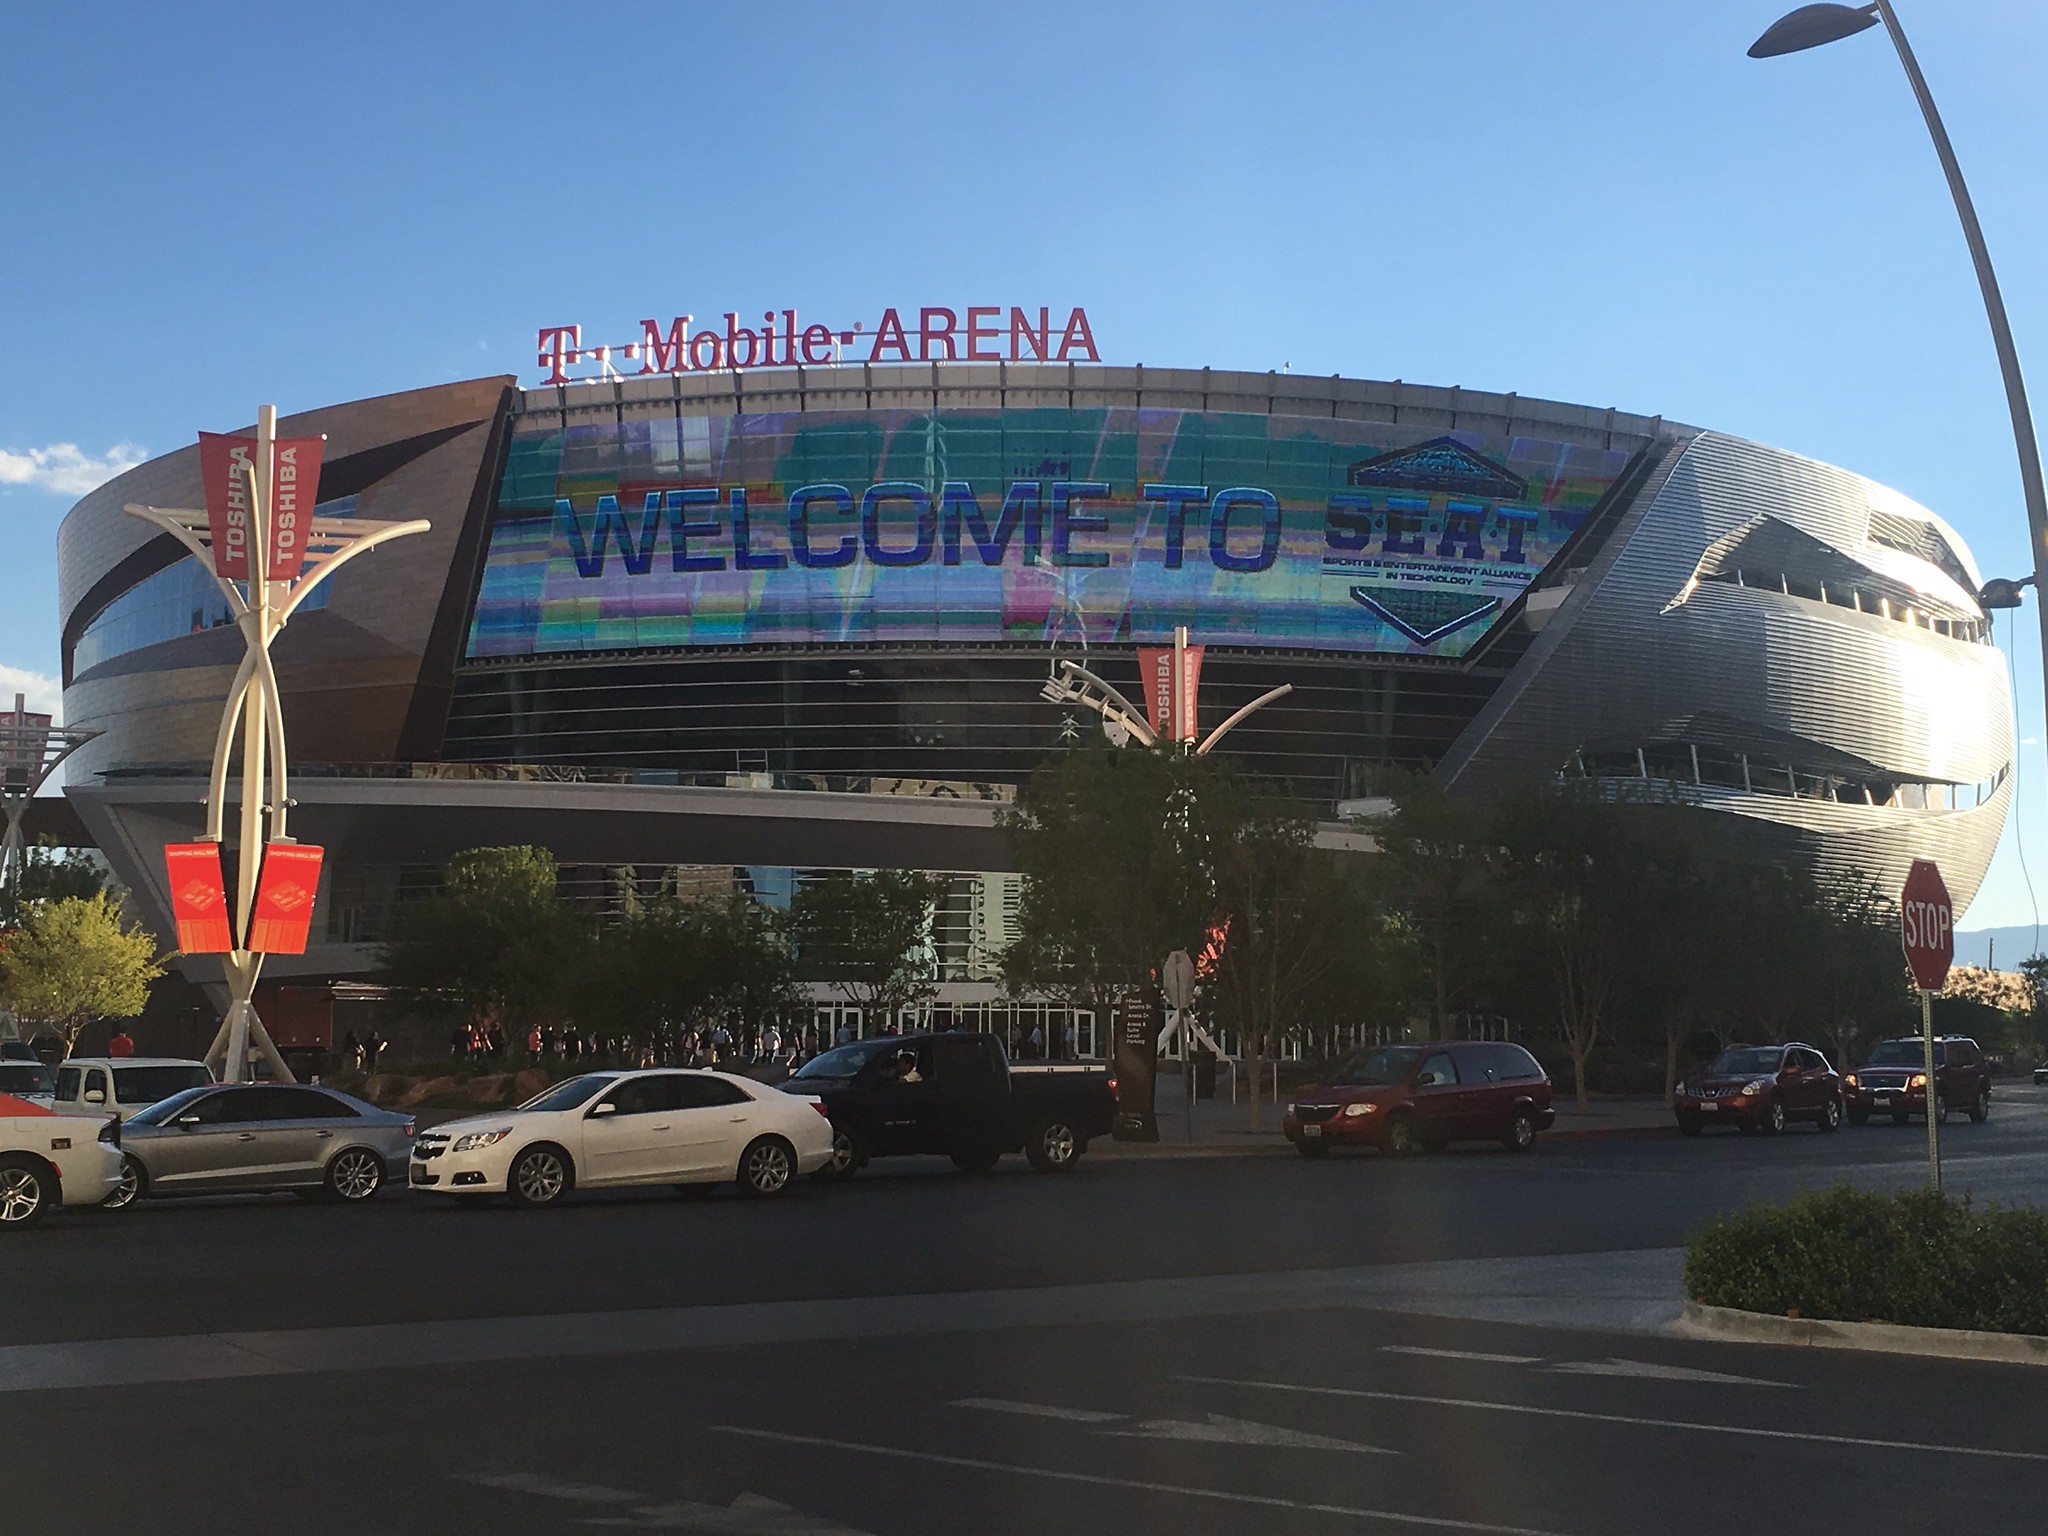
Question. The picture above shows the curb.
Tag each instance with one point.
(1884, 1338)
(1603, 1132)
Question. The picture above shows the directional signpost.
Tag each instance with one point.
(1177, 986)
(1927, 931)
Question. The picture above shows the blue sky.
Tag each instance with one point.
(1600, 202)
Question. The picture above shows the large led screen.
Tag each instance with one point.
(1055, 527)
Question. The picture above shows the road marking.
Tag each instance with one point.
(748, 1515)
(1650, 1370)
(550, 1487)
(1620, 1418)
(1218, 1430)
(1140, 1485)
(1036, 1410)
(1458, 1354)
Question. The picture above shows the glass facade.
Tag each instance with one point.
(181, 599)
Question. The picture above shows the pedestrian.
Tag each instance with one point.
(352, 1050)
(533, 1046)
(373, 1051)
(458, 1043)
(120, 1044)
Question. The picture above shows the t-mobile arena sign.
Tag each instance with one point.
(977, 333)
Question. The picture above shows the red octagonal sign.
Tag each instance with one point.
(1927, 926)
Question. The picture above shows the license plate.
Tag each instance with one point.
(1311, 1130)
(1708, 1106)
(420, 1175)
(1884, 1098)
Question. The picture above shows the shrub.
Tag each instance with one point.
(1918, 1257)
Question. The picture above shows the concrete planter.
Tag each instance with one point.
(1885, 1338)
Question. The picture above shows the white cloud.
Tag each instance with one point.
(66, 468)
(45, 696)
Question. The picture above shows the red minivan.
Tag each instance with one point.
(1407, 1098)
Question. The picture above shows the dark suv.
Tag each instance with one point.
(1409, 1098)
(1894, 1080)
(1762, 1088)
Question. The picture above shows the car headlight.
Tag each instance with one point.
(1353, 1111)
(1752, 1089)
(472, 1140)
(1850, 1081)
(1917, 1080)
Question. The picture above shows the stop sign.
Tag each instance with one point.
(1927, 926)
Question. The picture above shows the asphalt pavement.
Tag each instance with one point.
(1471, 1341)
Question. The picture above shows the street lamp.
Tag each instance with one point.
(1809, 27)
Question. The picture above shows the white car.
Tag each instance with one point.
(48, 1160)
(670, 1126)
(29, 1080)
(121, 1085)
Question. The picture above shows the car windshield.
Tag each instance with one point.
(145, 1085)
(163, 1111)
(570, 1093)
(22, 1077)
(1747, 1060)
(1900, 1053)
(847, 1060)
(1386, 1065)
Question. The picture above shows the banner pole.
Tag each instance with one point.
(1933, 1092)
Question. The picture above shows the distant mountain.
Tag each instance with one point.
(2008, 946)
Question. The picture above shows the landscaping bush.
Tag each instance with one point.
(1919, 1258)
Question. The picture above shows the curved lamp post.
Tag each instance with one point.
(1809, 27)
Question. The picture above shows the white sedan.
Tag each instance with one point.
(48, 1160)
(683, 1127)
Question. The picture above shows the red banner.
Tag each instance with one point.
(1172, 719)
(224, 462)
(284, 898)
(199, 898)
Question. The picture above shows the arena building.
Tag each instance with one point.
(724, 626)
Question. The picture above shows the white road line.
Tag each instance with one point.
(747, 1515)
(1621, 1418)
(1218, 1430)
(1036, 1410)
(1140, 1485)
(550, 1487)
(1650, 1370)
(1458, 1354)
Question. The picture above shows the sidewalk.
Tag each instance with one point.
(1220, 1128)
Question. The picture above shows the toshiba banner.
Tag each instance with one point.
(199, 901)
(284, 898)
(1173, 719)
(224, 462)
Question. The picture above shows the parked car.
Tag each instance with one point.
(29, 1080)
(121, 1085)
(681, 1126)
(1762, 1088)
(955, 1094)
(245, 1138)
(1409, 1098)
(2041, 1074)
(1894, 1080)
(49, 1159)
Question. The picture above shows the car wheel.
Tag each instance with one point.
(1859, 1117)
(1941, 1109)
(1830, 1115)
(1689, 1125)
(1521, 1134)
(1774, 1117)
(847, 1156)
(980, 1160)
(1312, 1149)
(540, 1176)
(353, 1174)
(1053, 1146)
(1981, 1110)
(28, 1191)
(1399, 1139)
(766, 1167)
(129, 1190)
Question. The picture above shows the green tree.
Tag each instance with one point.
(49, 873)
(73, 962)
(675, 964)
(1442, 871)
(869, 936)
(1110, 842)
(496, 945)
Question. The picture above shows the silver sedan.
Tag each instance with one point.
(236, 1138)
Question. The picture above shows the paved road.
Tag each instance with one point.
(1151, 1342)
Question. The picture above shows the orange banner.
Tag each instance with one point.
(199, 898)
(284, 898)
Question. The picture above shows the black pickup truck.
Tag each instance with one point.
(954, 1094)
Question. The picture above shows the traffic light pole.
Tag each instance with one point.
(261, 608)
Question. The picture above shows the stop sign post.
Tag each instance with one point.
(1927, 932)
